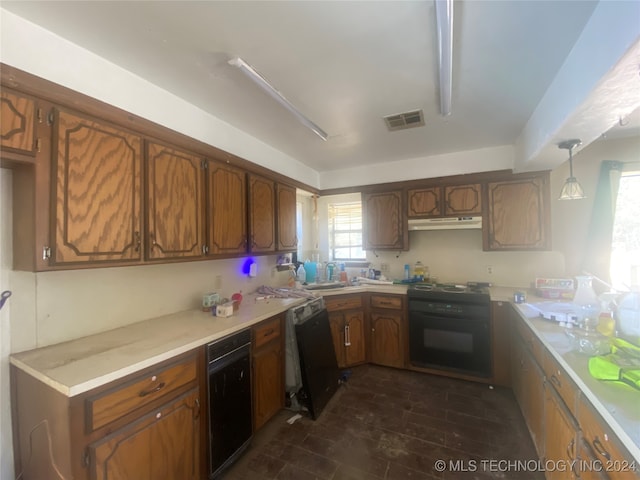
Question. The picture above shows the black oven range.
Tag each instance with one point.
(449, 328)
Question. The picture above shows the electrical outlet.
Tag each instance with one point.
(489, 269)
(384, 267)
(218, 282)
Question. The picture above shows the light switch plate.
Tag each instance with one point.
(253, 270)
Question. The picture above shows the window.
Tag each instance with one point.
(345, 232)
(625, 245)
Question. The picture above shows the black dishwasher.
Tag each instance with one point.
(229, 388)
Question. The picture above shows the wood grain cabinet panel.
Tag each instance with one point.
(560, 436)
(425, 202)
(227, 190)
(17, 122)
(262, 222)
(385, 226)
(163, 444)
(286, 209)
(267, 370)
(388, 330)
(347, 323)
(97, 192)
(518, 214)
(463, 199)
(175, 203)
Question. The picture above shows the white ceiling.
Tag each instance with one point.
(345, 65)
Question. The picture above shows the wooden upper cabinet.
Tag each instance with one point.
(518, 216)
(463, 199)
(425, 202)
(97, 214)
(447, 201)
(227, 209)
(286, 231)
(175, 203)
(385, 225)
(262, 223)
(17, 123)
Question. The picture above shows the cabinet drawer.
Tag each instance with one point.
(557, 377)
(123, 399)
(340, 302)
(531, 341)
(266, 331)
(382, 301)
(604, 444)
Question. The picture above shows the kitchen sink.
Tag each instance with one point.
(324, 285)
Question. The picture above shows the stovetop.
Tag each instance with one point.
(471, 292)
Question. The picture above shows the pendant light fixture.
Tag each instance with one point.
(571, 190)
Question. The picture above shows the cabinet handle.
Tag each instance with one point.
(555, 381)
(144, 393)
(347, 336)
(136, 236)
(570, 449)
(196, 413)
(152, 237)
(268, 333)
(597, 445)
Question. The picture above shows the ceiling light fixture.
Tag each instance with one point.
(444, 27)
(571, 190)
(262, 82)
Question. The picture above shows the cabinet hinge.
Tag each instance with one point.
(39, 115)
(204, 164)
(38, 145)
(50, 118)
(86, 458)
(46, 253)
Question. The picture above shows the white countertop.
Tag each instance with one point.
(619, 405)
(79, 365)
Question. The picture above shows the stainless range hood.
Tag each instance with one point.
(449, 223)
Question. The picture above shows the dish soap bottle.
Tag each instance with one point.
(418, 271)
(302, 274)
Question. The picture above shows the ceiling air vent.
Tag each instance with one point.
(402, 121)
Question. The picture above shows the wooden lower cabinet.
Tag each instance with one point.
(388, 331)
(163, 444)
(527, 383)
(501, 314)
(157, 436)
(267, 370)
(560, 436)
(348, 334)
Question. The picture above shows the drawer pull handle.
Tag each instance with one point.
(600, 448)
(555, 381)
(570, 451)
(269, 332)
(144, 393)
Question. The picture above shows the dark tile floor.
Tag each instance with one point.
(395, 424)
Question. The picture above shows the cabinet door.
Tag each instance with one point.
(268, 383)
(227, 209)
(463, 199)
(97, 192)
(354, 348)
(518, 214)
(533, 393)
(261, 215)
(425, 202)
(387, 338)
(385, 226)
(17, 123)
(559, 435)
(336, 322)
(175, 203)
(501, 317)
(163, 444)
(286, 203)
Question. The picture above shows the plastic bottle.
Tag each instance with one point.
(586, 298)
(406, 271)
(418, 271)
(302, 274)
(310, 269)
